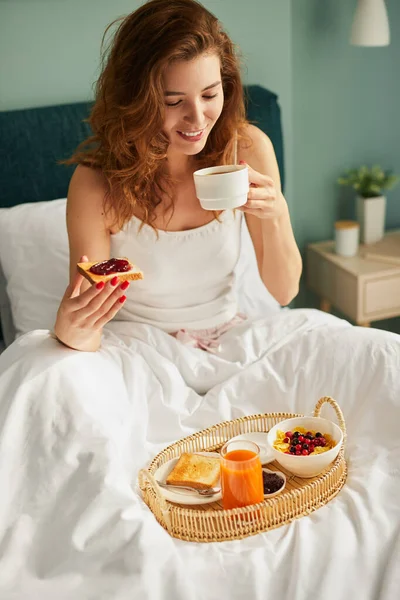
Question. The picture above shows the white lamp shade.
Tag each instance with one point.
(371, 24)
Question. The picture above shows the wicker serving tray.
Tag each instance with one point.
(209, 522)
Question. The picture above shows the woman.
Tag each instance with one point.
(169, 101)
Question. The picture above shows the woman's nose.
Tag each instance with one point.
(194, 113)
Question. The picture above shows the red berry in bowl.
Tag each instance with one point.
(301, 438)
(286, 440)
(304, 452)
(298, 452)
(289, 434)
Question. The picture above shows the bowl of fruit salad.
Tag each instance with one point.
(305, 446)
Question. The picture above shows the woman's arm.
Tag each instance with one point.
(88, 231)
(268, 220)
(86, 308)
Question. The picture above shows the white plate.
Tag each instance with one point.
(260, 439)
(266, 496)
(184, 496)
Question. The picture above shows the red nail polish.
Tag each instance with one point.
(124, 285)
(100, 285)
(122, 299)
(114, 280)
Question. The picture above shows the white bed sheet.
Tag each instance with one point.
(75, 428)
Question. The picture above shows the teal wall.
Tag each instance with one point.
(346, 112)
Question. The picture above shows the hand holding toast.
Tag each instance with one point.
(82, 315)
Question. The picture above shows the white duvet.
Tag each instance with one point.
(75, 428)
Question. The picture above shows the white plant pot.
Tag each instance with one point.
(371, 214)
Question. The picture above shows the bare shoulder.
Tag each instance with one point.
(257, 150)
(86, 193)
(86, 180)
(255, 142)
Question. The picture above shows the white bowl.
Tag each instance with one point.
(306, 466)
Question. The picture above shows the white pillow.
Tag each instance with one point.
(34, 256)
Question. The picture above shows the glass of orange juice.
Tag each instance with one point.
(241, 474)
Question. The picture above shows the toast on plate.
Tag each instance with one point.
(195, 470)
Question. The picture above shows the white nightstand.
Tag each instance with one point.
(363, 289)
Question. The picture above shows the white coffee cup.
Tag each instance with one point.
(221, 188)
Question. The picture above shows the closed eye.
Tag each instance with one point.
(179, 101)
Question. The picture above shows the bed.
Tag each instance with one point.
(76, 428)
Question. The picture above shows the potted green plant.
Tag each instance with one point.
(369, 184)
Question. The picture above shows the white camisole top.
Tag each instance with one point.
(188, 275)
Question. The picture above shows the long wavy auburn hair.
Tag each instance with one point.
(128, 144)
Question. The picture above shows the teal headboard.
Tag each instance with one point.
(34, 139)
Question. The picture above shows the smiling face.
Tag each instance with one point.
(193, 102)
